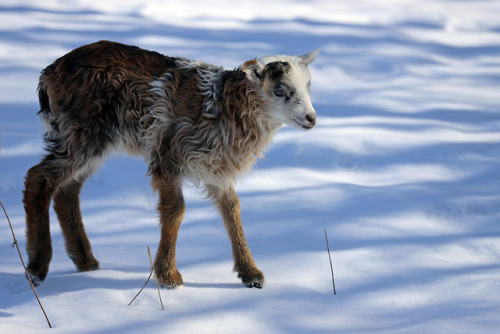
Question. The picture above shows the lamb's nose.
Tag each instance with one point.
(311, 118)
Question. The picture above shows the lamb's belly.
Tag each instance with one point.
(217, 172)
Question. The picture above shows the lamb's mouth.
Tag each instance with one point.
(305, 126)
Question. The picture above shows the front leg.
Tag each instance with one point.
(171, 208)
(229, 205)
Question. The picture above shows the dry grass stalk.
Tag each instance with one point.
(331, 266)
(22, 261)
(147, 281)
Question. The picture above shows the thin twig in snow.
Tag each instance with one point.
(22, 261)
(141, 289)
(150, 274)
(156, 280)
(331, 266)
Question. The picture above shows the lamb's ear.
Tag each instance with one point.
(310, 57)
(253, 70)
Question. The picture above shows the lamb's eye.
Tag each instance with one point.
(279, 92)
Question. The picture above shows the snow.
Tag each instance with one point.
(402, 171)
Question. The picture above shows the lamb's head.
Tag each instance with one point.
(283, 84)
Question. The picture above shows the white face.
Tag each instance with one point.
(289, 91)
(284, 83)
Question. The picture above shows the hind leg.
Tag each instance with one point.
(67, 207)
(53, 177)
(40, 184)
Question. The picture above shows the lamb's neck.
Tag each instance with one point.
(246, 113)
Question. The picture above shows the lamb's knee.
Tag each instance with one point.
(39, 187)
(36, 179)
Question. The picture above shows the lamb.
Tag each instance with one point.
(187, 119)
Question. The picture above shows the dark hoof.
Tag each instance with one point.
(34, 280)
(252, 278)
(90, 266)
(254, 285)
(168, 279)
(37, 272)
(169, 287)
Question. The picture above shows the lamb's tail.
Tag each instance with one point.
(43, 98)
(47, 116)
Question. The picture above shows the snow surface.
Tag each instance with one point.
(402, 171)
